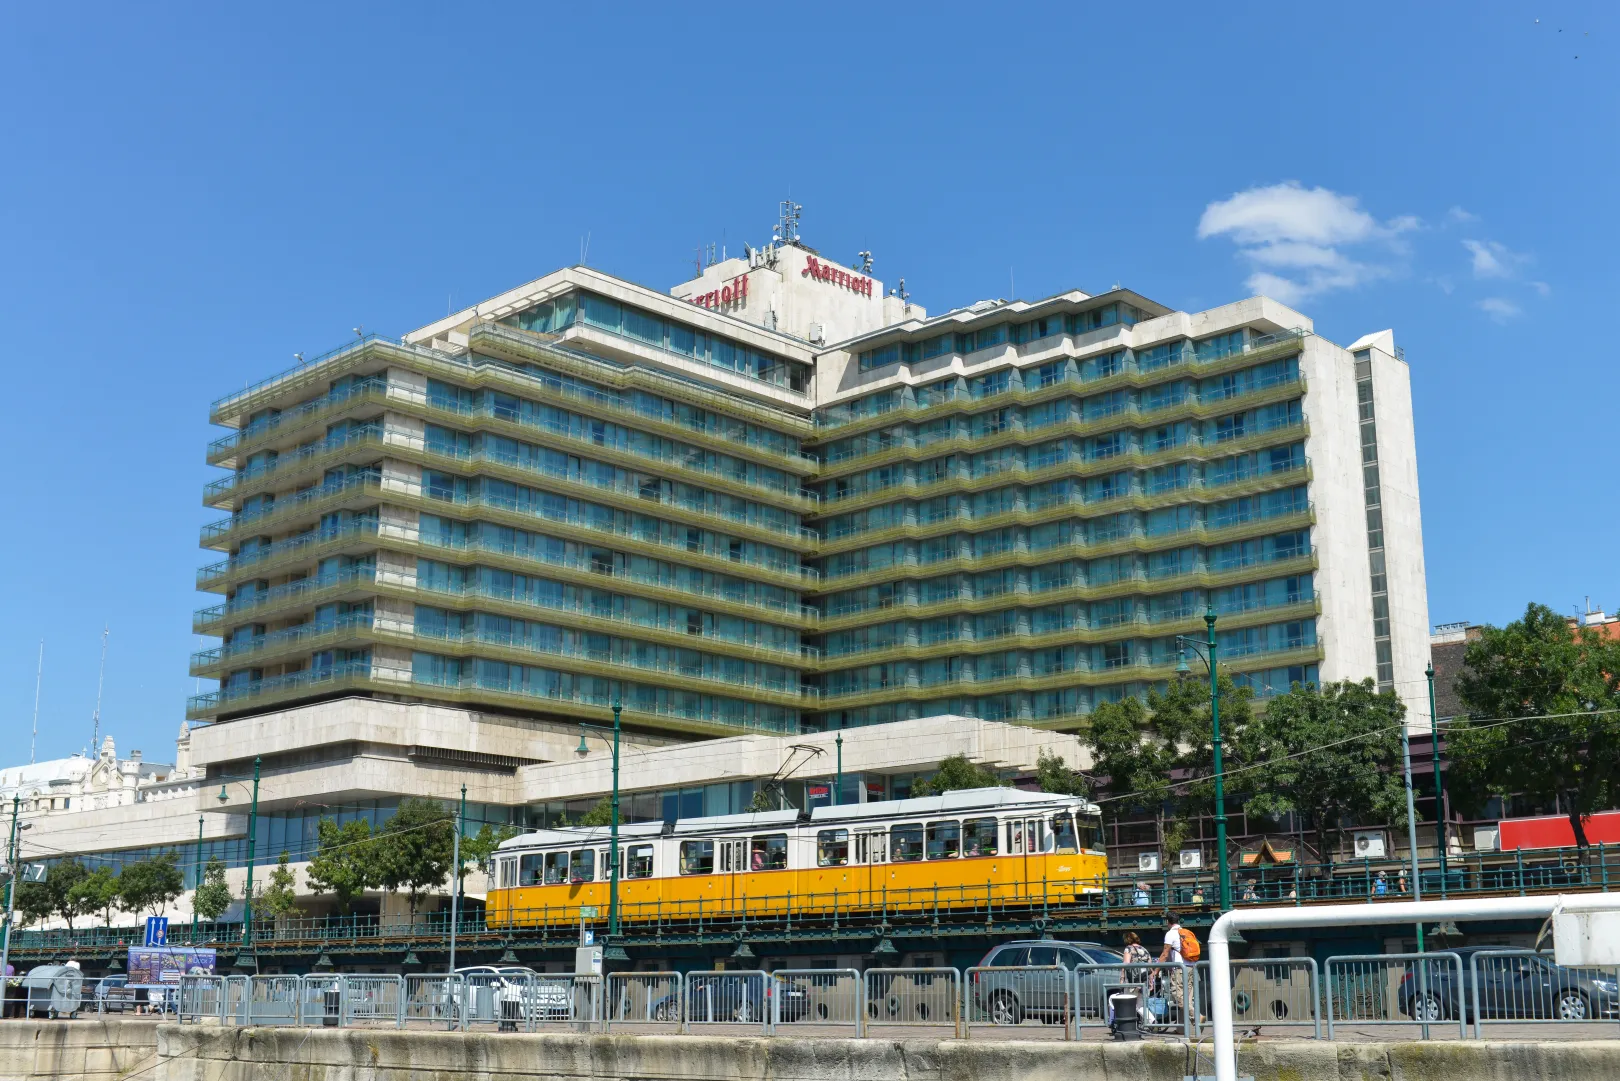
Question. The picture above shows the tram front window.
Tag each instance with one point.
(1090, 832)
(1063, 833)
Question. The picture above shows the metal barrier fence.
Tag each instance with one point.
(819, 996)
(727, 1000)
(645, 998)
(1010, 996)
(1273, 992)
(1526, 987)
(435, 1000)
(1164, 989)
(1394, 989)
(373, 1000)
(914, 996)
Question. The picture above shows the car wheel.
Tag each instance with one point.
(1572, 1006)
(1004, 1009)
(1428, 1008)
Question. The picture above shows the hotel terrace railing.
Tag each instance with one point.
(306, 591)
(1131, 373)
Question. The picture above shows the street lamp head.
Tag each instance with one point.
(583, 749)
(223, 796)
(1182, 668)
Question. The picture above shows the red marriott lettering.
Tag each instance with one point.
(734, 292)
(826, 272)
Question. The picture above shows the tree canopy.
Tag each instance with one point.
(212, 896)
(99, 891)
(414, 849)
(151, 885)
(343, 864)
(1557, 688)
(1055, 775)
(1330, 755)
(277, 896)
(954, 773)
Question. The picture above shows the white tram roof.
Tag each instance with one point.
(958, 801)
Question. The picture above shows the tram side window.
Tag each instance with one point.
(640, 862)
(604, 866)
(1024, 837)
(979, 837)
(906, 842)
(556, 868)
(944, 840)
(697, 857)
(1063, 833)
(529, 870)
(582, 865)
(508, 873)
(768, 853)
(832, 848)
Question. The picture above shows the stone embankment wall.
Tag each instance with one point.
(146, 1051)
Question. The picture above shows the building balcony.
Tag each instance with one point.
(830, 423)
(912, 448)
(295, 644)
(281, 691)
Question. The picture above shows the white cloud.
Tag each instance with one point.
(1500, 309)
(1293, 235)
(1493, 260)
(1541, 288)
(1457, 215)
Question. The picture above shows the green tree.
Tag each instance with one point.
(344, 863)
(65, 884)
(1554, 683)
(414, 849)
(278, 897)
(1055, 775)
(35, 903)
(98, 891)
(213, 896)
(1158, 755)
(600, 814)
(480, 848)
(1330, 755)
(954, 773)
(150, 885)
(764, 800)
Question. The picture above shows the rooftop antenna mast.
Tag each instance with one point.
(39, 674)
(787, 224)
(95, 732)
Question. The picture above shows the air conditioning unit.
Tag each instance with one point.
(1147, 862)
(1487, 839)
(1370, 845)
(1190, 859)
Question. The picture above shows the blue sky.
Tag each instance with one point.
(191, 195)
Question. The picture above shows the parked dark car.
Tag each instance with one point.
(736, 997)
(1011, 996)
(1519, 987)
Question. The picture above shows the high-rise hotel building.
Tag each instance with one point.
(780, 497)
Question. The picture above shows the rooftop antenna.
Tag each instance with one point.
(787, 226)
(360, 331)
(39, 674)
(95, 732)
(865, 259)
(300, 358)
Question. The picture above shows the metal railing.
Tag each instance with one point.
(1526, 987)
(1274, 992)
(1409, 989)
(814, 997)
(645, 999)
(913, 997)
(714, 1001)
(1012, 996)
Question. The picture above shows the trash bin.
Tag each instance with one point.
(54, 990)
(331, 1007)
(511, 1012)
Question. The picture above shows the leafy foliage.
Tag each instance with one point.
(1055, 775)
(344, 865)
(150, 885)
(600, 814)
(1559, 680)
(278, 897)
(212, 896)
(764, 800)
(481, 846)
(414, 849)
(1351, 772)
(954, 773)
(99, 891)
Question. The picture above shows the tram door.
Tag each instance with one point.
(1026, 844)
(730, 861)
(871, 853)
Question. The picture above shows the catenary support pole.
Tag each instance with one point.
(247, 896)
(11, 895)
(1440, 838)
(1220, 772)
(455, 887)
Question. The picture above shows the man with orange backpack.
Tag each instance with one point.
(1181, 948)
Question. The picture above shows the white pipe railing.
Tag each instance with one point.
(1360, 915)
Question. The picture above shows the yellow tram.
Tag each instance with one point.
(970, 848)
